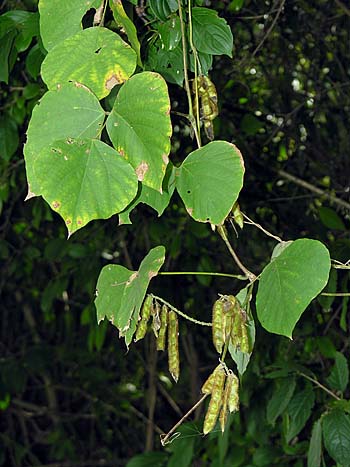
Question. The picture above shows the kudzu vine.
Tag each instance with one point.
(98, 144)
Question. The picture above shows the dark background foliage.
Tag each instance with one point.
(70, 395)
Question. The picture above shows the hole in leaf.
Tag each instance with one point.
(98, 50)
(188, 192)
(88, 18)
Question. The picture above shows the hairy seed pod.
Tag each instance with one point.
(156, 319)
(233, 398)
(208, 384)
(236, 330)
(217, 325)
(173, 345)
(144, 318)
(227, 392)
(163, 328)
(244, 338)
(215, 401)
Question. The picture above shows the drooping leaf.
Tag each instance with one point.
(280, 399)
(84, 180)
(8, 137)
(60, 19)
(289, 283)
(139, 126)
(211, 34)
(120, 292)
(154, 199)
(339, 377)
(336, 435)
(209, 181)
(315, 447)
(163, 8)
(95, 57)
(76, 114)
(299, 410)
(122, 20)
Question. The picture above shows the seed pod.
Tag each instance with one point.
(215, 401)
(156, 319)
(237, 215)
(227, 391)
(217, 325)
(233, 398)
(244, 338)
(173, 345)
(162, 329)
(208, 384)
(144, 318)
(236, 330)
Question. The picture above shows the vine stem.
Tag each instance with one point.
(266, 232)
(249, 274)
(187, 83)
(202, 273)
(336, 294)
(181, 313)
(195, 61)
(164, 439)
(328, 391)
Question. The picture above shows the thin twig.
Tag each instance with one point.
(268, 32)
(251, 277)
(187, 83)
(313, 188)
(251, 222)
(328, 391)
(202, 273)
(181, 313)
(343, 7)
(336, 294)
(164, 439)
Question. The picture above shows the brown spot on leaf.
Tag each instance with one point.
(113, 80)
(167, 112)
(132, 278)
(81, 85)
(152, 274)
(190, 211)
(141, 171)
(165, 159)
(68, 221)
(79, 222)
(239, 154)
(56, 204)
(30, 194)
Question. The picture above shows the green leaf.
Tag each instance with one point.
(170, 33)
(34, 60)
(154, 199)
(330, 219)
(336, 434)
(280, 399)
(71, 111)
(289, 283)
(26, 25)
(209, 181)
(315, 448)
(163, 8)
(8, 137)
(169, 63)
(211, 34)
(324, 300)
(84, 180)
(139, 126)
(7, 41)
(123, 21)
(120, 292)
(299, 410)
(148, 459)
(339, 377)
(95, 57)
(60, 19)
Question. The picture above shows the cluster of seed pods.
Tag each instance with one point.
(223, 386)
(165, 325)
(229, 324)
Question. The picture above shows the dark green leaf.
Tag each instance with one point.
(315, 447)
(280, 399)
(170, 33)
(148, 459)
(8, 137)
(299, 410)
(211, 34)
(336, 434)
(289, 283)
(163, 8)
(339, 377)
(209, 181)
(331, 219)
(6, 45)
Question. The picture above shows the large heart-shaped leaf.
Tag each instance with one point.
(120, 292)
(84, 180)
(139, 126)
(154, 199)
(209, 181)
(96, 57)
(76, 114)
(60, 19)
(289, 283)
